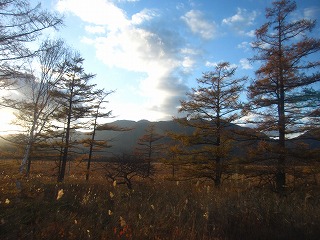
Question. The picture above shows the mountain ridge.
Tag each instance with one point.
(125, 141)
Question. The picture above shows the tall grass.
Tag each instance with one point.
(156, 209)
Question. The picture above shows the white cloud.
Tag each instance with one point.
(134, 49)
(189, 59)
(95, 29)
(190, 51)
(128, 46)
(188, 64)
(99, 12)
(251, 33)
(211, 64)
(87, 40)
(241, 20)
(215, 64)
(244, 45)
(144, 15)
(199, 25)
(245, 64)
(241, 17)
(248, 120)
(180, 6)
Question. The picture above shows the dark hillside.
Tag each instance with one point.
(312, 138)
(125, 141)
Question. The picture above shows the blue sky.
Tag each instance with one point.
(152, 51)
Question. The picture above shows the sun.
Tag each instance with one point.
(6, 125)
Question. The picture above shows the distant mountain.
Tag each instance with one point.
(126, 141)
(312, 138)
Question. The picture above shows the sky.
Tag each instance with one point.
(152, 51)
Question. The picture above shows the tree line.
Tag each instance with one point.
(283, 99)
(55, 96)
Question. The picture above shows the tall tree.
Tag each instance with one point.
(20, 23)
(35, 108)
(74, 95)
(148, 148)
(211, 107)
(281, 92)
(96, 114)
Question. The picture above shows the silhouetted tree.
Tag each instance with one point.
(124, 168)
(148, 147)
(75, 95)
(35, 105)
(96, 114)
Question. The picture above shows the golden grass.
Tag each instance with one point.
(40, 208)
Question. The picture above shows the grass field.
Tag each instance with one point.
(40, 208)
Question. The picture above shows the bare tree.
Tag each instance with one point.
(125, 168)
(20, 23)
(36, 107)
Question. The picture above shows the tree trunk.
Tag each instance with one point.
(91, 144)
(281, 173)
(66, 148)
(28, 167)
(217, 180)
(281, 165)
(90, 152)
(65, 154)
(25, 160)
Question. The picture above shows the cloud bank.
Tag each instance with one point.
(156, 46)
(130, 43)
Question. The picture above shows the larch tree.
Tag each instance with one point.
(20, 23)
(148, 147)
(211, 109)
(280, 94)
(75, 95)
(97, 112)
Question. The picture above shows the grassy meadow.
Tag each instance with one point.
(157, 208)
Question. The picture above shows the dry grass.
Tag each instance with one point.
(157, 209)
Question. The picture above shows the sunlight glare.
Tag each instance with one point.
(6, 126)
